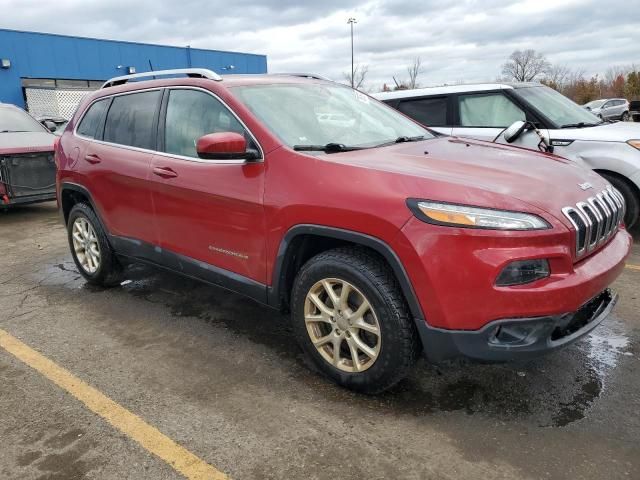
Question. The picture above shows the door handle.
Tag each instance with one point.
(164, 172)
(92, 158)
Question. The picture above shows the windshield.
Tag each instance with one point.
(15, 120)
(556, 107)
(323, 114)
(595, 104)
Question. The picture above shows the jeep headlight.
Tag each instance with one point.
(467, 216)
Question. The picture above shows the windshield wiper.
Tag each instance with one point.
(579, 125)
(328, 148)
(402, 139)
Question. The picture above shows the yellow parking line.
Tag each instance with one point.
(131, 425)
(633, 267)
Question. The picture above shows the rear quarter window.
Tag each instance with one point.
(89, 123)
(132, 118)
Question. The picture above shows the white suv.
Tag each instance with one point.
(484, 111)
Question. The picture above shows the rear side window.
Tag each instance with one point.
(428, 111)
(131, 119)
(89, 123)
(192, 114)
(488, 110)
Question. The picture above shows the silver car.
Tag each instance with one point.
(609, 108)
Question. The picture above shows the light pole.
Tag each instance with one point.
(351, 21)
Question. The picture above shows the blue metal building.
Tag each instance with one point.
(42, 67)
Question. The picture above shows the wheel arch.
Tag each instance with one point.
(604, 172)
(301, 242)
(72, 193)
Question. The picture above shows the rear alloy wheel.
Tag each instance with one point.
(90, 248)
(342, 325)
(85, 245)
(352, 321)
(625, 117)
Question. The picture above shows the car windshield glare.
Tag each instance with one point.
(322, 114)
(556, 107)
(14, 120)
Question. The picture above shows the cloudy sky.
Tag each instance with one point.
(462, 41)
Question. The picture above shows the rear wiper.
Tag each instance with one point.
(328, 148)
(402, 139)
(579, 125)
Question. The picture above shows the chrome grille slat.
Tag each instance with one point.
(617, 197)
(608, 214)
(599, 213)
(614, 212)
(596, 219)
(589, 222)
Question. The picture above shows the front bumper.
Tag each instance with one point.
(516, 339)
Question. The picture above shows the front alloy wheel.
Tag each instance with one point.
(85, 245)
(342, 325)
(351, 319)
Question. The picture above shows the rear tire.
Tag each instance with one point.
(630, 198)
(625, 117)
(90, 248)
(366, 347)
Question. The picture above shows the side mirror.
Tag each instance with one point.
(49, 125)
(224, 146)
(512, 132)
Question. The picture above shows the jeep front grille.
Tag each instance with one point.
(596, 219)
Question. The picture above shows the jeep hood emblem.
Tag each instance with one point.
(585, 186)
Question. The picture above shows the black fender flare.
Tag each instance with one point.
(80, 189)
(358, 238)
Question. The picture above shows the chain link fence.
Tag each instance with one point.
(54, 102)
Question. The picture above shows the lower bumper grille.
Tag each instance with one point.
(588, 312)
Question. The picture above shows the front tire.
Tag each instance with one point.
(350, 318)
(90, 248)
(630, 199)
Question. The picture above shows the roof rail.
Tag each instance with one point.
(306, 75)
(189, 72)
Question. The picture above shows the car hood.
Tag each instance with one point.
(605, 132)
(25, 142)
(481, 173)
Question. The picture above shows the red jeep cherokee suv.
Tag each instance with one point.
(382, 238)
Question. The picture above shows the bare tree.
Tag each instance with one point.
(359, 75)
(557, 75)
(414, 70)
(525, 65)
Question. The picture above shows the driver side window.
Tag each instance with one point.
(192, 114)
